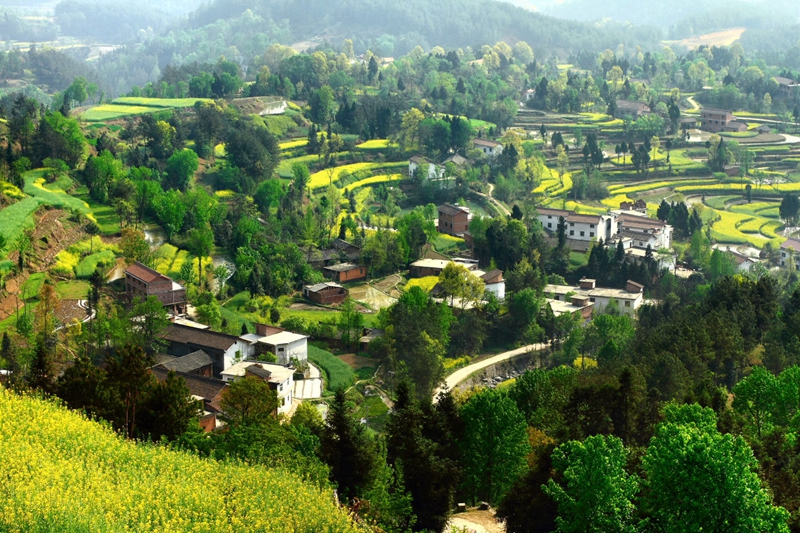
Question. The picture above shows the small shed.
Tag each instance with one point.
(327, 293)
(344, 272)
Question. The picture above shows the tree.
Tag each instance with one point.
(350, 323)
(171, 211)
(128, 372)
(133, 246)
(757, 396)
(249, 401)
(348, 450)
(181, 168)
(168, 409)
(562, 162)
(790, 208)
(149, 320)
(42, 374)
(323, 106)
(699, 479)
(201, 240)
(458, 282)
(594, 493)
(494, 445)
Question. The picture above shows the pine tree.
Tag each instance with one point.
(42, 372)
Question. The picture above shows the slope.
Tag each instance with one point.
(63, 473)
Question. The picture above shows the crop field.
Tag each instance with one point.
(376, 144)
(426, 284)
(90, 263)
(294, 143)
(35, 186)
(338, 373)
(763, 209)
(615, 189)
(65, 473)
(169, 103)
(105, 112)
(15, 218)
(374, 180)
(284, 169)
(741, 228)
(331, 175)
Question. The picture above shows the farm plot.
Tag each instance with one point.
(106, 112)
(374, 180)
(331, 175)
(169, 103)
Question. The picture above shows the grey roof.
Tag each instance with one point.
(322, 286)
(451, 210)
(342, 267)
(632, 106)
(259, 371)
(456, 159)
(189, 363)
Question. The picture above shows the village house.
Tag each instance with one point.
(644, 231)
(489, 148)
(339, 251)
(630, 110)
(280, 379)
(743, 262)
(326, 293)
(494, 283)
(457, 159)
(789, 248)
(142, 282)
(420, 166)
(639, 206)
(579, 227)
(223, 349)
(344, 272)
(433, 267)
(715, 120)
(580, 305)
(453, 219)
(786, 86)
(629, 299)
(288, 347)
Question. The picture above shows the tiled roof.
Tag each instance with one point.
(452, 210)
(635, 106)
(199, 337)
(322, 286)
(791, 243)
(144, 273)
(486, 142)
(558, 212)
(590, 219)
(190, 362)
(492, 274)
(342, 267)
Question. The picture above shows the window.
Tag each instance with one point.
(572, 224)
(550, 225)
(591, 226)
(591, 234)
(583, 233)
(571, 233)
(627, 304)
(591, 300)
(549, 217)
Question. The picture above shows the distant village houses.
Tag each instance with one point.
(142, 282)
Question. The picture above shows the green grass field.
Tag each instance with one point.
(338, 374)
(73, 290)
(90, 263)
(169, 103)
(15, 218)
(374, 180)
(106, 112)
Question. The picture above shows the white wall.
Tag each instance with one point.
(498, 289)
(293, 350)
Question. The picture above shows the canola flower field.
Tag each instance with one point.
(64, 473)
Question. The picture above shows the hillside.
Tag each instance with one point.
(64, 473)
(243, 29)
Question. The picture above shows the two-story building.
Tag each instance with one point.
(142, 282)
(629, 299)
(579, 227)
(488, 147)
(453, 219)
(288, 347)
(717, 120)
(222, 348)
(789, 248)
(326, 293)
(280, 379)
(644, 231)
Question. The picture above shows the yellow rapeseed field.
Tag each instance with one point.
(63, 473)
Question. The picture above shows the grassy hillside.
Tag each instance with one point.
(63, 473)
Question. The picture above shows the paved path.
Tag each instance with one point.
(463, 373)
(494, 201)
(307, 389)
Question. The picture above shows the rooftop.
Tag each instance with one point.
(456, 159)
(486, 142)
(492, 274)
(189, 363)
(322, 286)
(715, 111)
(430, 263)
(206, 388)
(284, 337)
(277, 373)
(627, 104)
(557, 212)
(451, 210)
(199, 337)
(342, 267)
(618, 294)
(145, 273)
(190, 323)
(589, 219)
(560, 307)
(418, 159)
(794, 244)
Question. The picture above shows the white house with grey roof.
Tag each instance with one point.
(579, 227)
(789, 248)
(280, 379)
(629, 299)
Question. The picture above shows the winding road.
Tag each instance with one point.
(463, 373)
(494, 201)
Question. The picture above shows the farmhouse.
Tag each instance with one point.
(338, 252)
(457, 160)
(579, 227)
(644, 231)
(419, 166)
(142, 282)
(489, 148)
(280, 379)
(494, 283)
(789, 248)
(453, 219)
(223, 349)
(326, 293)
(344, 272)
(580, 305)
(631, 110)
(786, 86)
(639, 206)
(629, 299)
(743, 262)
(715, 120)
(434, 267)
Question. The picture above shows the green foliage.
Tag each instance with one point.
(338, 374)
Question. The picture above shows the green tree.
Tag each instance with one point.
(790, 208)
(757, 397)
(350, 323)
(249, 401)
(128, 374)
(201, 241)
(168, 409)
(171, 211)
(181, 168)
(494, 445)
(323, 106)
(42, 373)
(699, 479)
(348, 450)
(594, 493)
(148, 321)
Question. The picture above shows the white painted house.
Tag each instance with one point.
(280, 379)
(644, 231)
(418, 164)
(579, 227)
(789, 248)
(629, 299)
(288, 347)
(489, 148)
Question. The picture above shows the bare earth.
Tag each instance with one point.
(477, 522)
(718, 38)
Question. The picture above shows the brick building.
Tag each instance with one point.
(142, 282)
(344, 272)
(453, 219)
(325, 293)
